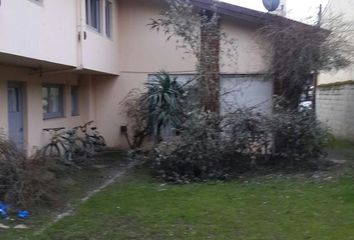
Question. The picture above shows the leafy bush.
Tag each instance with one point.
(299, 139)
(137, 112)
(202, 151)
(248, 132)
(193, 155)
(24, 181)
(214, 147)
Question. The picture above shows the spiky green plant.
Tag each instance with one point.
(164, 99)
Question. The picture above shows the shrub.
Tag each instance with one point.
(214, 147)
(24, 181)
(198, 153)
(300, 139)
(136, 111)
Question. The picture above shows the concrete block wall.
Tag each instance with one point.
(335, 108)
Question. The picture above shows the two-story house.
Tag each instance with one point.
(66, 62)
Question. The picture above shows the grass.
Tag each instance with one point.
(140, 208)
(342, 148)
(260, 208)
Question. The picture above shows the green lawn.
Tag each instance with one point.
(141, 208)
(262, 208)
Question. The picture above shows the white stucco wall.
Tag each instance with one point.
(249, 53)
(99, 52)
(143, 49)
(49, 31)
(46, 32)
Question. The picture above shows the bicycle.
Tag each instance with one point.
(75, 148)
(93, 138)
(56, 147)
(64, 145)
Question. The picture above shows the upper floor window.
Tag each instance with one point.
(93, 14)
(108, 16)
(37, 1)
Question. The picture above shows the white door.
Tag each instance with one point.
(15, 114)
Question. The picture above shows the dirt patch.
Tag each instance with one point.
(75, 185)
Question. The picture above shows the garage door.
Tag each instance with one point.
(238, 91)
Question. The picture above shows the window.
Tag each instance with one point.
(52, 101)
(108, 15)
(74, 101)
(93, 14)
(40, 2)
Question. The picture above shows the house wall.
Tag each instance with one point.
(144, 51)
(99, 52)
(39, 31)
(34, 123)
(49, 31)
(134, 52)
(248, 54)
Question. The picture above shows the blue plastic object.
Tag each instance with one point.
(23, 214)
(3, 210)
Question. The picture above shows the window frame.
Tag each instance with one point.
(108, 15)
(75, 101)
(38, 2)
(60, 113)
(89, 22)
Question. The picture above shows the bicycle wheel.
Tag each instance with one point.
(52, 151)
(89, 148)
(79, 149)
(100, 143)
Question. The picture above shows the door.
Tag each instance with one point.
(15, 114)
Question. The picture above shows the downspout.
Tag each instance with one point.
(81, 34)
(81, 37)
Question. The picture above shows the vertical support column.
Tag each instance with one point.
(87, 98)
(34, 117)
(3, 107)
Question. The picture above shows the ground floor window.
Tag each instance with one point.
(52, 101)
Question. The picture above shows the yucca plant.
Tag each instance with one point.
(164, 99)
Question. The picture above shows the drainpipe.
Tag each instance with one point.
(81, 34)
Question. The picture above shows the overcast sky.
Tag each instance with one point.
(297, 9)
